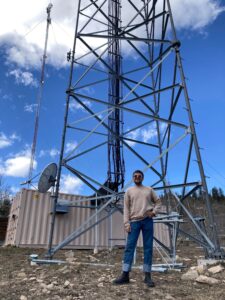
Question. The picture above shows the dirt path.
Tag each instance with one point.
(79, 280)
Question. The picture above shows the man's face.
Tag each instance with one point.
(137, 178)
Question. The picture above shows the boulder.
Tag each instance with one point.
(190, 275)
(66, 283)
(207, 280)
(100, 284)
(216, 269)
(50, 286)
(201, 269)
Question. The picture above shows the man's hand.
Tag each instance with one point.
(127, 228)
(150, 213)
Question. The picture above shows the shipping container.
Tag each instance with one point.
(30, 219)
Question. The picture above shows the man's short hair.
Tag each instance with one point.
(138, 171)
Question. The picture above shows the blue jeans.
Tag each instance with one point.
(146, 226)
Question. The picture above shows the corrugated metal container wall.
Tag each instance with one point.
(30, 219)
(13, 223)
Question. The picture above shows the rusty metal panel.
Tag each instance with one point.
(13, 221)
(30, 219)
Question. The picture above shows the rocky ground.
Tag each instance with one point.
(85, 276)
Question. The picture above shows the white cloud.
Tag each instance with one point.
(43, 153)
(25, 41)
(14, 136)
(24, 33)
(146, 134)
(30, 108)
(6, 97)
(195, 15)
(74, 106)
(100, 116)
(17, 165)
(70, 184)
(151, 132)
(70, 146)
(6, 141)
(52, 152)
(132, 135)
(24, 78)
(20, 52)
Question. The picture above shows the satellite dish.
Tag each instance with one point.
(47, 178)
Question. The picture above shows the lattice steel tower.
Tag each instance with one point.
(127, 106)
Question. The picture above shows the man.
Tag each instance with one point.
(141, 204)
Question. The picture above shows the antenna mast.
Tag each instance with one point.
(39, 95)
(116, 168)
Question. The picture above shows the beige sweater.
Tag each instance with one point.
(137, 201)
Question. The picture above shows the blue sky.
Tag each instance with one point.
(201, 32)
